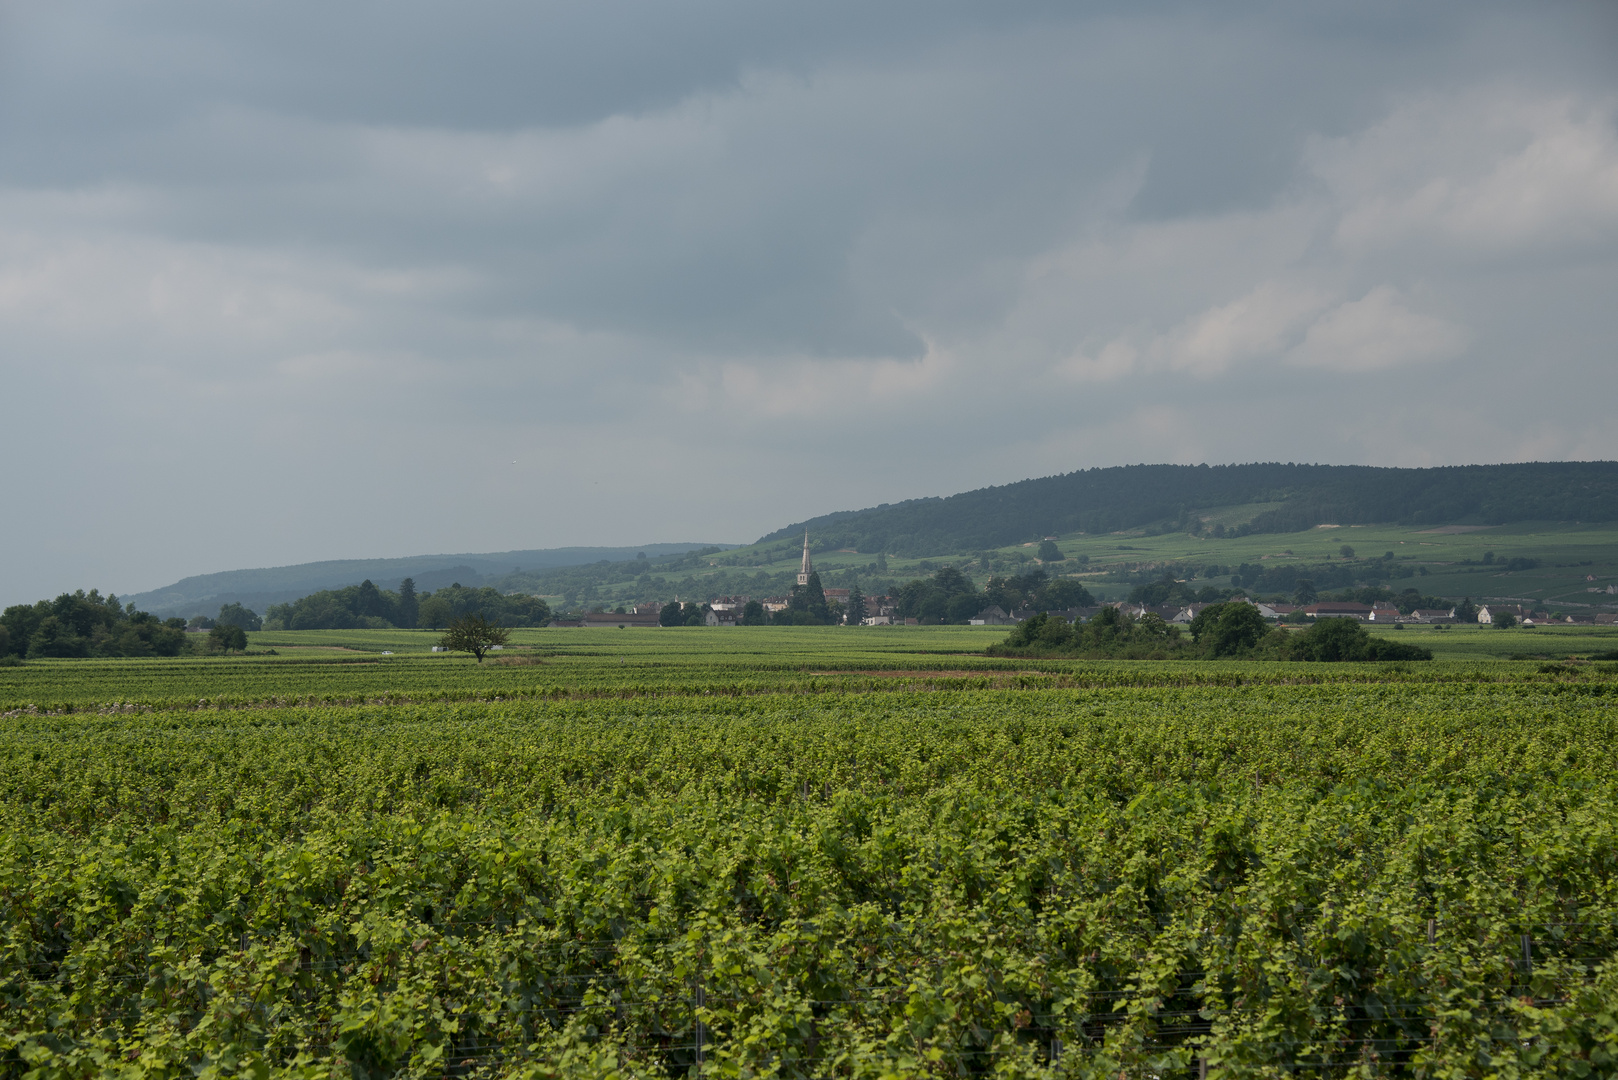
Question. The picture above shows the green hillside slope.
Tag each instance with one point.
(1179, 497)
(258, 588)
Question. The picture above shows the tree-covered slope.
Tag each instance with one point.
(1135, 496)
(260, 588)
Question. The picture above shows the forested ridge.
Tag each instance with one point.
(1166, 497)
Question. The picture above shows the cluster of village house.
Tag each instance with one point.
(1374, 613)
(727, 611)
(881, 611)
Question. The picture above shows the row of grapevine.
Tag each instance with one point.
(212, 683)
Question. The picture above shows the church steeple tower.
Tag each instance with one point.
(806, 569)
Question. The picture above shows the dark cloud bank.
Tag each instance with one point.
(284, 282)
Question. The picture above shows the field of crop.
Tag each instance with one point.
(1473, 642)
(755, 647)
(805, 853)
(1450, 559)
(349, 667)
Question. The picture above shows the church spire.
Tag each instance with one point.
(806, 569)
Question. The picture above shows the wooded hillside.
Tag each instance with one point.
(1171, 497)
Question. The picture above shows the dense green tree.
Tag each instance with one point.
(1011, 593)
(432, 611)
(1162, 591)
(1466, 611)
(1411, 599)
(473, 634)
(1036, 589)
(1049, 552)
(908, 597)
(1221, 630)
(1305, 592)
(690, 613)
(753, 614)
(951, 581)
(856, 605)
(1049, 631)
(1232, 629)
(1346, 552)
(364, 606)
(1063, 593)
(20, 621)
(86, 624)
(55, 638)
(1036, 630)
(1332, 640)
(947, 596)
(371, 604)
(408, 608)
(1505, 621)
(224, 637)
(142, 634)
(1109, 633)
(236, 615)
(806, 604)
(814, 599)
(961, 607)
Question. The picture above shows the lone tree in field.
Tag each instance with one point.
(1049, 552)
(226, 638)
(473, 634)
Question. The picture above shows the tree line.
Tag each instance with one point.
(1230, 631)
(80, 625)
(366, 607)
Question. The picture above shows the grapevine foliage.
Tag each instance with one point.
(1394, 876)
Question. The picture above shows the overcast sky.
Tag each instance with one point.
(295, 281)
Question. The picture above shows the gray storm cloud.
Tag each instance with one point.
(283, 283)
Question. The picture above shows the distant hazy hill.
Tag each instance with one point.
(257, 589)
(1171, 496)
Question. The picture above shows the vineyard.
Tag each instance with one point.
(832, 856)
